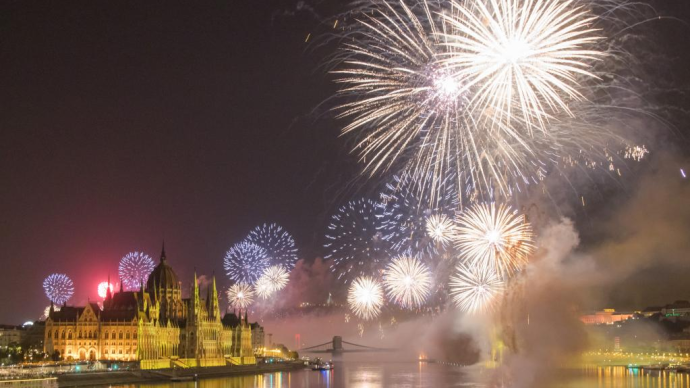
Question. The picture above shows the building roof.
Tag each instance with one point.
(67, 313)
(163, 276)
(118, 315)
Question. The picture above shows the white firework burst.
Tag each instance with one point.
(475, 288)
(407, 281)
(440, 228)
(365, 297)
(495, 237)
(240, 295)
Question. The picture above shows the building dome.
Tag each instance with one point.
(162, 276)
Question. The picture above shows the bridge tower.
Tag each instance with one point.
(337, 344)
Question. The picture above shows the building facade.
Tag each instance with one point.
(10, 335)
(154, 325)
(605, 317)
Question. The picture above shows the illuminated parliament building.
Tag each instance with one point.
(154, 325)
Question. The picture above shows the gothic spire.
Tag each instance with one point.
(108, 294)
(163, 253)
(215, 307)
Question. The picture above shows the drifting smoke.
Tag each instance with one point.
(646, 240)
(542, 329)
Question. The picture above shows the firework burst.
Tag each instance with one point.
(134, 270)
(245, 262)
(407, 281)
(474, 288)
(365, 297)
(58, 288)
(46, 312)
(278, 243)
(494, 237)
(406, 212)
(487, 95)
(520, 59)
(240, 295)
(403, 98)
(264, 288)
(440, 228)
(273, 279)
(355, 239)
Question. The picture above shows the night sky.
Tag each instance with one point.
(127, 122)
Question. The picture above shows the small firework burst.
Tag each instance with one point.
(365, 297)
(58, 288)
(495, 237)
(240, 295)
(274, 279)
(278, 243)
(407, 281)
(134, 270)
(474, 288)
(245, 262)
(440, 228)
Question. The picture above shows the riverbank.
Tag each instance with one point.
(163, 375)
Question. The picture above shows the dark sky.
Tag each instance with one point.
(126, 122)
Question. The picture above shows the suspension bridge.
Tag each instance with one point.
(336, 347)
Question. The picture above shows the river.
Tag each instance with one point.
(352, 374)
(355, 374)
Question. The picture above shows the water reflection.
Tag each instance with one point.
(380, 374)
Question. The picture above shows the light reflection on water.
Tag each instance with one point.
(406, 374)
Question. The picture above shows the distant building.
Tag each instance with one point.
(605, 317)
(10, 335)
(679, 308)
(258, 341)
(33, 336)
(649, 311)
(153, 325)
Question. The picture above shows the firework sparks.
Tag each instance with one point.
(494, 237)
(240, 295)
(103, 288)
(440, 228)
(46, 311)
(521, 59)
(278, 243)
(474, 288)
(365, 297)
(273, 279)
(355, 239)
(245, 262)
(134, 270)
(407, 281)
(488, 95)
(405, 215)
(403, 99)
(58, 288)
(263, 288)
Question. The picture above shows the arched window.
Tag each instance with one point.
(63, 334)
(49, 332)
(79, 334)
(69, 335)
(127, 336)
(90, 334)
(105, 335)
(112, 336)
(56, 334)
(120, 335)
(134, 335)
